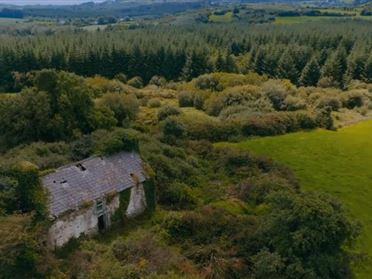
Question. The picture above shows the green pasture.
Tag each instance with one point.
(335, 162)
(227, 17)
(5, 22)
(302, 19)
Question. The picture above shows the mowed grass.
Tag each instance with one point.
(335, 162)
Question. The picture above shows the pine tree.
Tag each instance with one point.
(230, 65)
(355, 66)
(259, 62)
(335, 67)
(287, 68)
(367, 74)
(220, 63)
(311, 73)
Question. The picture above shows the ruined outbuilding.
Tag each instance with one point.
(83, 196)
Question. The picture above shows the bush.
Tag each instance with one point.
(154, 103)
(125, 107)
(353, 100)
(198, 101)
(158, 81)
(185, 99)
(178, 196)
(293, 103)
(167, 111)
(121, 77)
(332, 102)
(277, 92)
(136, 82)
(211, 129)
(278, 123)
(173, 128)
(210, 82)
(111, 142)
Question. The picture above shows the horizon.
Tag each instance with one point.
(46, 2)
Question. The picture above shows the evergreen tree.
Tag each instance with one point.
(220, 63)
(367, 74)
(335, 67)
(310, 74)
(287, 68)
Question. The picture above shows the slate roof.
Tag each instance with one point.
(73, 185)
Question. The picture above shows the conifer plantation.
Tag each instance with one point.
(173, 110)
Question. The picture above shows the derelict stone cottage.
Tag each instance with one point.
(83, 196)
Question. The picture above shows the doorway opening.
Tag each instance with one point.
(101, 223)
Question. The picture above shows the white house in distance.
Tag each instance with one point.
(84, 195)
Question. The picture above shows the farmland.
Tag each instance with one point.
(338, 163)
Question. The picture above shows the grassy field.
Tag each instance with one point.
(339, 163)
(227, 17)
(302, 19)
(5, 22)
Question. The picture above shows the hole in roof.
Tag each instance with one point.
(81, 167)
(64, 181)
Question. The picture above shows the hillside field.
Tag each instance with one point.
(338, 163)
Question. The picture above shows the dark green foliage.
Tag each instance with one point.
(120, 214)
(136, 82)
(167, 111)
(310, 74)
(190, 51)
(367, 74)
(208, 82)
(287, 67)
(336, 66)
(150, 194)
(30, 193)
(296, 231)
(124, 107)
(172, 127)
(178, 196)
(185, 99)
(324, 118)
(106, 142)
(278, 123)
(353, 100)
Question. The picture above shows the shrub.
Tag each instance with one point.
(210, 82)
(167, 111)
(198, 101)
(329, 101)
(111, 142)
(324, 118)
(178, 196)
(211, 129)
(125, 107)
(158, 81)
(278, 123)
(174, 128)
(185, 99)
(121, 77)
(136, 82)
(293, 103)
(353, 99)
(277, 92)
(154, 103)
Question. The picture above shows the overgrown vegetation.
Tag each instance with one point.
(218, 210)
(172, 91)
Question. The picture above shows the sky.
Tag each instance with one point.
(46, 2)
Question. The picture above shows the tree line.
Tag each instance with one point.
(331, 54)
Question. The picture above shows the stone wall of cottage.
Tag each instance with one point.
(74, 224)
(137, 201)
(85, 221)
